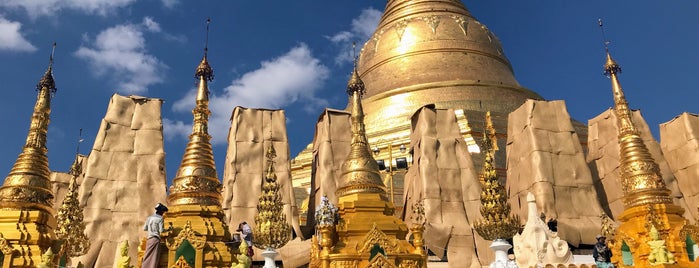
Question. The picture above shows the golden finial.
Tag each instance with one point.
(196, 181)
(497, 222)
(359, 172)
(355, 84)
(70, 227)
(272, 230)
(77, 166)
(639, 173)
(204, 71)
(607, 228)
(47, 81)
(28, 186)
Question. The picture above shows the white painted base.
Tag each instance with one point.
(500, 247)
(269, 255)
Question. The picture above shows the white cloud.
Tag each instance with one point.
(11, 38)
(36, 8)
(151, 25)
(291, 78)
(120, 52)
(362, 28)
(175, 129)
(170, 3)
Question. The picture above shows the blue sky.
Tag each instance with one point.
(294, 55)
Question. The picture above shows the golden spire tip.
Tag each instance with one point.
(204, 69)
(47, 81)
(610, 66)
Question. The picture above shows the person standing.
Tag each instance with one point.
(602, 254)
(246, 235)
(154, 226)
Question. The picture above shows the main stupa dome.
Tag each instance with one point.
(435, 52)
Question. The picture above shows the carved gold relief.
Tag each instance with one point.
(187, 233)
(376, 236)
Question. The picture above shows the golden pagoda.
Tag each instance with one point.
(429, 52)
(652, 230)
(199, 232)
(367, 234)
(27, 220)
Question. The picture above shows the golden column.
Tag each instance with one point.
(26, 199)
(368, 234)
(497, 224)
(272, 230)
(195, 212)
(652, 230)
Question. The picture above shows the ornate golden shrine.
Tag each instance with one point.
(653, 232)
(27, 220)
(366, 233)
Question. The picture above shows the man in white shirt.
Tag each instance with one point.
(154, 226)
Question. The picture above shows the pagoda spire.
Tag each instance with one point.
(27, 186)
(640, 175)
(196, 181)
(359, 172)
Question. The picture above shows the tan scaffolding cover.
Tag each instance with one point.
(679, 140)
(442, 175)
(603, 146)
(124, 177)
(244, 169)
(331, 146)
(544, 156)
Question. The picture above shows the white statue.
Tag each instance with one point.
(537, 245)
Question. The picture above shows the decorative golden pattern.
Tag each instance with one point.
(196, 181)
(380, 261)
(28, 186)
(181, 263)
(187, 233)
(359, 172)
(272, 230)
(70, 227)
(5, 247)
(497, 223)
(376, 236)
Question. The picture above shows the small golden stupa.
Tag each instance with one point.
(366, 233)
(652, 232)
(199, 231)
(27, 220)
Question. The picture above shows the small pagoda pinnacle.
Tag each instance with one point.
(28, 186)
(497, 222)
(359, 172)
(196, 181)
(640, 175)
(70, 227)
(272, 230)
